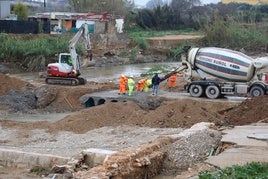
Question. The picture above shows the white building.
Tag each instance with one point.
(4, 8)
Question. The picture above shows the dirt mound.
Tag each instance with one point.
(249, 111)
(7, 83)
(170, 114)
(16, 94)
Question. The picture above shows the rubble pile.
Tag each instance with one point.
(194, 145)
(19, 100)
(149, 160)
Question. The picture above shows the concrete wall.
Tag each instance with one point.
(4, 9)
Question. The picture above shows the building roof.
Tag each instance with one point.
(71, 16)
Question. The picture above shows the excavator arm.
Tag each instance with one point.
(83, 31)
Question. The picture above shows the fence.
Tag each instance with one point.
(24, 27)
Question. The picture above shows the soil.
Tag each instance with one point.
(8, 83)
(128, 118)
(127, 115)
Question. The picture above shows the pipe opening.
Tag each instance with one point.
(90, 103)
(101, 101)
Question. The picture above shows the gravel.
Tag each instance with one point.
(68, 144)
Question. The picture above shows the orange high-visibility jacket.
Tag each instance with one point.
(122, 85)
(172, 80)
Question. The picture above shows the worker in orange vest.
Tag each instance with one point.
(172, 81)
(141, 84)
(122, 84)
(126, 85)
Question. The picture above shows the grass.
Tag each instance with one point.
(153, 33)
(19, 47)
(158, 69)
(38, 170)
(229, 33)
(252, 170)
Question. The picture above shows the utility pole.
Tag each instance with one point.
(44, 5)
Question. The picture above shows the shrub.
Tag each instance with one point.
(21, 11)
(139, 42)
(133, 54)
(230, 34)
(18, 47)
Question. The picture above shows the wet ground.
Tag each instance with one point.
(106, 74)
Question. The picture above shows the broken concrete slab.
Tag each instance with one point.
(239, 156)
(19, 159)
(239, 135)
(95, 157)
(259, 136)
(246, 149)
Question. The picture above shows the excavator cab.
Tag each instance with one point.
(66, 58)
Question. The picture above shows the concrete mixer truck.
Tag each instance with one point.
(214, 72)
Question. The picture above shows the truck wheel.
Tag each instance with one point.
(196, 90)
(212, 92)
(256, 91)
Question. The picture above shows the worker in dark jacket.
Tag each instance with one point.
(155, 82)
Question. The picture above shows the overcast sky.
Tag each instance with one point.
(143, 2)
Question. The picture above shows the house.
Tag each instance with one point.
(67, 21)
(4, 9)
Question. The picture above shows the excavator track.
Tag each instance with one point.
(65, 81)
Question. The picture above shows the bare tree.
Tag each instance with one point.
(152, 4)
(181, 10)
(184, 5)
